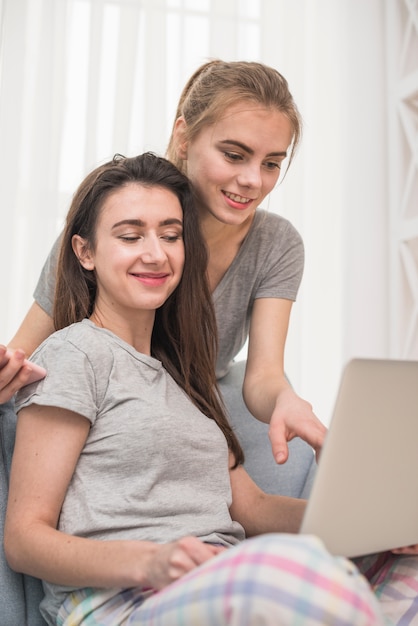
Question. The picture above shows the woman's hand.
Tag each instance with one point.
(173, 560)
(13, 373)
(294, 417)
(36, 327)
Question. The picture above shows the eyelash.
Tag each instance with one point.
(273, 165)
(233, 156)
(172, 238)
(134, 238)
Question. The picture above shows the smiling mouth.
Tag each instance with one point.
(236, 198)
(147, 275)
(151, 279)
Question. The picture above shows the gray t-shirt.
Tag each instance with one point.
(269, 264)
(154, 468)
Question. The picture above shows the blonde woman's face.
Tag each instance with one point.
(235, 163)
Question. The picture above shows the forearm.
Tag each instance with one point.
(262, 391)
(259, 512)
(36, 326)
(51, 555)
(274, 514)
(265, 379)
(272, 400)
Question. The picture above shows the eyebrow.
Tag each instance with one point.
(250, 150)
(167, 222)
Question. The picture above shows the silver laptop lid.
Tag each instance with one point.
(365, 495)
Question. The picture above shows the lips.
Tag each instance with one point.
(151, 279)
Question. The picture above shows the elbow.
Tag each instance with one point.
(248, 388)
(14, 548)
(11, 551)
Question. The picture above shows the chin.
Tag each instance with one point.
(235, 217)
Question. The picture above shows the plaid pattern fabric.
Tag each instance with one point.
(394, 580)
(91, 607)
(273, 579)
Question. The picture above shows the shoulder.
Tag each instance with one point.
(79, 342)
(274, 238)
(271, 225)
(81, 335)
(79, 361)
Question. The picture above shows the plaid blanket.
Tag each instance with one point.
(394, 580)
(274, 579)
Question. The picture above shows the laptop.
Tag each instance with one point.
(364, 498)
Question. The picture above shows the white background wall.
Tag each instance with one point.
(82, 79)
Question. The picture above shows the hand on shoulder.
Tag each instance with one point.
(14, 374)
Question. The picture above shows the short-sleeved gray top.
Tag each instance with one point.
(154, 468)
(269, 264)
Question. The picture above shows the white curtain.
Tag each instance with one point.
(83, 79)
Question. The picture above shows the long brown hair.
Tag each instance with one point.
(216, 85)
(184, 336)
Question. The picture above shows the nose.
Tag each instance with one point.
(152, 251)
(250, 176)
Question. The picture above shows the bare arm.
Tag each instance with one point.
(36, 326)
(48, 444)
(267, 393)
(259, 512)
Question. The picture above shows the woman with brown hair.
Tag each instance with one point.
(127, 493)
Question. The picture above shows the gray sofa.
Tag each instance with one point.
(20, 595)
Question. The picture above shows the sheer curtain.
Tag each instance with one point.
(83, 79)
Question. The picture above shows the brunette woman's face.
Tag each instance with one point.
(236, 162)
(139, 253)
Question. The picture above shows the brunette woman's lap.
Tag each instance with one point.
(272, 579)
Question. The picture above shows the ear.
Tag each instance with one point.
(82, 252)
(181, 141)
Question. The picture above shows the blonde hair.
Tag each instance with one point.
(216, 85)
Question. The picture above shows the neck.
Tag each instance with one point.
(216, 232)
(223, 242)
(136, 331)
